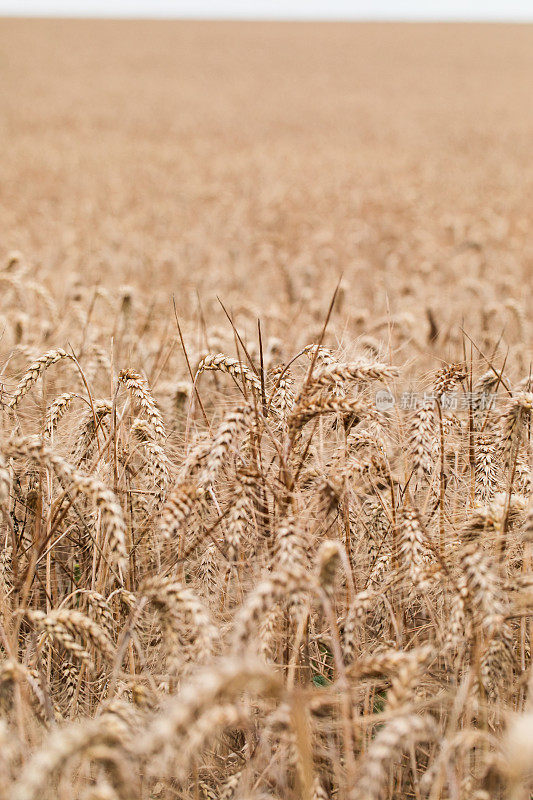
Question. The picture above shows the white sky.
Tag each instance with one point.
(512, 10)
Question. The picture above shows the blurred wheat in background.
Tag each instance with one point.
(265, 460)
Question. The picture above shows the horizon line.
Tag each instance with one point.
(184, 17)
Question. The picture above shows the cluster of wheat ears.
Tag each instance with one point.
(230, 573)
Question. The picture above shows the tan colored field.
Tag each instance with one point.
(194, 155)
(291, 569)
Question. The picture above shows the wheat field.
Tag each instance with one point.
(265, 399)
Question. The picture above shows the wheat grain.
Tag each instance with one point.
(140, 390)
(232, 366)
(34, 372)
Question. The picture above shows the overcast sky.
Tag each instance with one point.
(521, 10)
